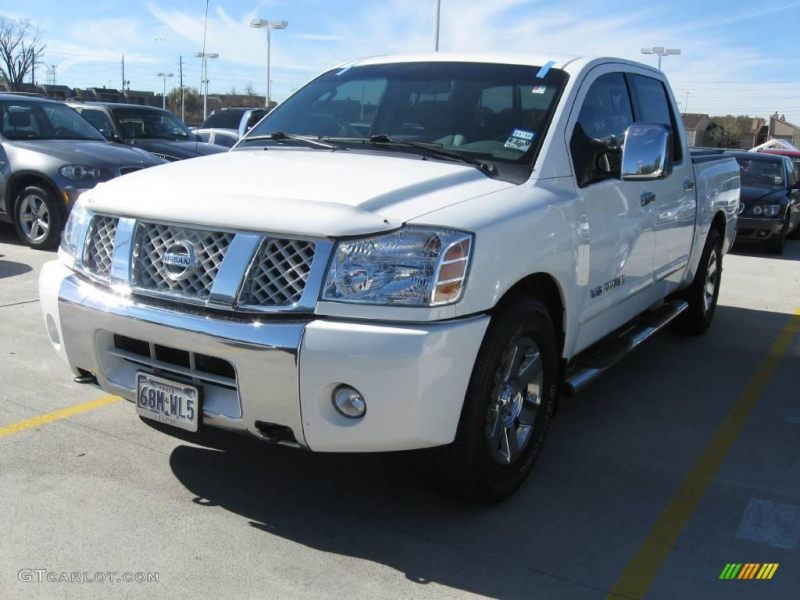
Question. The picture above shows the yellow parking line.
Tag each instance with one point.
(647, 561)
(59, 414)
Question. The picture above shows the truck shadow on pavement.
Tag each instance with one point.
(12, 269)
(549, 535)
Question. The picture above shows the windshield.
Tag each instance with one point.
(224, 119)
(141, 123)
(761, 172)
(23, 120)
(493, 112)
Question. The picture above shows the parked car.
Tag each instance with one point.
(432, 249)
(794, 155)
(220, 137)
(147, 127)
(49, 155)
(769, 211)
(235, 119)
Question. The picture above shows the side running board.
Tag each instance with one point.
(597, 359)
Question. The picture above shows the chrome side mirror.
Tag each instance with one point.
(647, 153)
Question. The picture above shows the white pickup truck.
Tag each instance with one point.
(412, 252)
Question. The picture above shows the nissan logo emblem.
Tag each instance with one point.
(179, 260)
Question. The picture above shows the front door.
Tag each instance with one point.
(621, 229)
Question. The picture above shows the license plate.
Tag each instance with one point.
(166, 401)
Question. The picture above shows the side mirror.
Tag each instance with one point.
(647, 153)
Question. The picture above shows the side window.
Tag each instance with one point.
(652, 106)
(599, 133)
(97, 118)
(205, 136)
(223, 139)
(791, 173)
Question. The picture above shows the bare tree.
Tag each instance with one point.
(21, 49)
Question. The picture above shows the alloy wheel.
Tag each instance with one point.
(712, 279)
(516, 400)
(34, 218)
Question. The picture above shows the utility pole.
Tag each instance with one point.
(686, 104)
(123, 73)
(33, 73)
(183, 103)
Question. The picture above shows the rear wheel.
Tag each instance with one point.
(703, 294)
(38, 218)
(507, 410)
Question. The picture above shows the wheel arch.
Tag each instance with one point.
(19, 181)
(546, 288)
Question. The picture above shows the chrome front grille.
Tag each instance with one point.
(153, 240)
(100, 245)
(278, 274)
(223, 270)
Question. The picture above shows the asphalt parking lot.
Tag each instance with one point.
(682, 460)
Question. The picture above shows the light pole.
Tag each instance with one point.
(436, 14)
(661, 51)
(204, 83)
(164, 95)
(686, 104)
(268, 25)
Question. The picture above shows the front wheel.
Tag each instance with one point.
(507, 410)
(703, 294)
(38, 218)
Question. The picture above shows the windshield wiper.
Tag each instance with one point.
(280, 136)
(432, 147)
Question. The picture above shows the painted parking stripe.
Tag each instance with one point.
(646, 563)
(59, 414)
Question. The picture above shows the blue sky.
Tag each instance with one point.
(737, 54)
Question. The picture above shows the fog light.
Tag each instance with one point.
(349, 402)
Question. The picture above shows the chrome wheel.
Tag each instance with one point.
(34, 218)
(712, 280)
(516, 400)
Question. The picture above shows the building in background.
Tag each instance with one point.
(781, 129)
(696, 126)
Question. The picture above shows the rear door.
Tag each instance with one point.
(673, 198)
(620, 230)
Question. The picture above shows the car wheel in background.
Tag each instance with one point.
(703, 294)
(38, 218)
(507, 410)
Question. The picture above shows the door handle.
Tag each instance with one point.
(647, 198)
(688, 185)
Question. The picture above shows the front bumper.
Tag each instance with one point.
(750, 230)
(413, 377)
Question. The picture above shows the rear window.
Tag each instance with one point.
(224, 119)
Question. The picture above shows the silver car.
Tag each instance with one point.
(49, 154)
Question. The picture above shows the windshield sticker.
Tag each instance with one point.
(543, 71)
(520, 140)
(539, 89)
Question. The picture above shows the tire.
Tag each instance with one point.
(702, 299)
(779, 245)
(485, 464)
(38, 218)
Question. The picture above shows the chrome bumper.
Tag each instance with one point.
(265, 358)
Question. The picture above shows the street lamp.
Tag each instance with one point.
(436, 12)
(204, 82)
(268, 25)
(660, 51)
(164, 95)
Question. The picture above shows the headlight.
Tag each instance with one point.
(81, 173)
(77, 222)
(413, 266)
(771, 210)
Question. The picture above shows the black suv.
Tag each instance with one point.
(152, 129)
(48, 156)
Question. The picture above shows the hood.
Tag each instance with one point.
(752, 194)
(178, 148)
(295, 191)
(84, 152)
